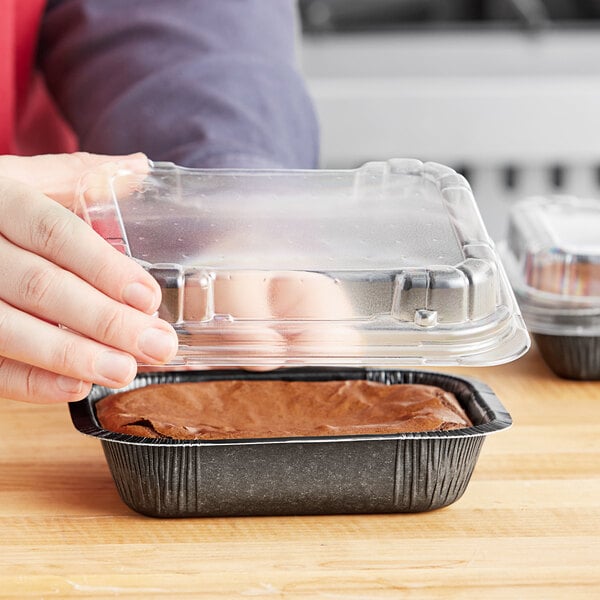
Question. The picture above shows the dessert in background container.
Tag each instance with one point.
(309, 274)
(552, 255)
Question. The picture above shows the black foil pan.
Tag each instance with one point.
(571, 356)
(406, 472)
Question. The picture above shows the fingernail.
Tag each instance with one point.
(135, 162)
(140, 296)
(157, 344)
(115, 367)
(69, 385)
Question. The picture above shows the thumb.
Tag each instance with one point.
(56, 175)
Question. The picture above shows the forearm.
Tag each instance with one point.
(200, 83)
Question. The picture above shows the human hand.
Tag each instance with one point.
(55, 269)
(262, 320)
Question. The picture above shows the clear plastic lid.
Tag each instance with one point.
(385, 265)
(552, 254)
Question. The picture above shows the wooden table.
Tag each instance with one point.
(528, 525)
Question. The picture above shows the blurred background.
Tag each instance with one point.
(505, 91)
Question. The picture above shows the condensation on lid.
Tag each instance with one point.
(388, 264)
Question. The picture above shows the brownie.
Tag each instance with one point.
(564, 278)
(248, 409)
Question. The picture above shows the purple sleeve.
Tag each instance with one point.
(204, 83)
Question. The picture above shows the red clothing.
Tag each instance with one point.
(191, 83)
(29, 121)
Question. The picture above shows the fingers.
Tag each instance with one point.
(41, 289)
(326, 312)
(40, 362)
(307, 295)
(305, 316)
(280, 295)
(32, 222)
(57, 175)
(55, 269)
(42, 345)
(26, 383)
(243, 294)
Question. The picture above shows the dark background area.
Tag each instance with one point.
(367, 15)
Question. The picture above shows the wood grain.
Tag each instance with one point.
(528, 525)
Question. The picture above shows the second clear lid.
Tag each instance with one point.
(552, 253)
